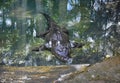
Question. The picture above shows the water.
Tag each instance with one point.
(93, 22)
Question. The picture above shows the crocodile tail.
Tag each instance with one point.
(50, 21)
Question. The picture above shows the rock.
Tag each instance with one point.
(107, 71)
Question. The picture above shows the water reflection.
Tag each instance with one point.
(93, 22)
(8, 22)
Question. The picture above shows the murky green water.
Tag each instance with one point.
(93, 22)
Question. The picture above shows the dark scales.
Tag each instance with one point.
(57, 41)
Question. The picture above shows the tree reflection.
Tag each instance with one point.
(94, 22)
